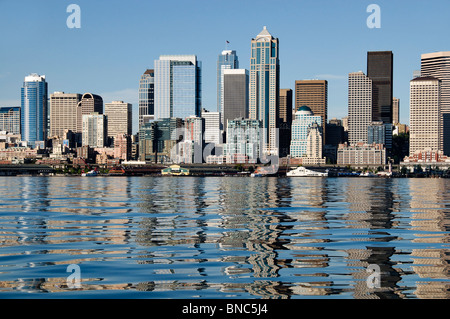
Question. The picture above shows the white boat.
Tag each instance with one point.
(367, 174)
(304, 172)
(90, 173)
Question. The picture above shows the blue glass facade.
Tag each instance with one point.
(34, 106)
(146, 97)
(177, 87)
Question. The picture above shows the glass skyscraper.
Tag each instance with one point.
(146, 97)
(265, 87)
(304, 118)
(227, 60)
(177, 86)
(34, 109)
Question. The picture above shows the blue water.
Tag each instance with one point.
(224, 237)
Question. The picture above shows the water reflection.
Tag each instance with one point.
(226, 237)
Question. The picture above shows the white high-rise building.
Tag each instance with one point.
(437, 65)
(227, 60)
(424, 120)
(63, 112)
(94, 130)
(304, 119)
(359, 106)
(212, 133)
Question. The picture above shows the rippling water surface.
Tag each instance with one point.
(225, 237)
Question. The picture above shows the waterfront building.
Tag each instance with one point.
(34, 109)
(285, 121)
(361, 155)
(190, 150)
(94, 133)
(304, 118)
(359, 106)
(177, 86)
(227, 60)
(395, 110)
(427, 158)
(147, 97)
(265, 87)
(10, 119)
(437, 65)
(63, 113)
(425, 114)
(120, 119)
(380, 66)
(122, 147)
(243, 141)
(235, 95)
(158, 140)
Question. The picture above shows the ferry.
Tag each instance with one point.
(90, 173)
(304, 172)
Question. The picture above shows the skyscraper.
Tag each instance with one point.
(396, 111)
(177, 86)
(63, 112)
(227, 60)
(212, 127)
(285, 121)
(380, 66)
(10, 119)
(438, 65)
(120, 119)
(424, 129)
(94, 130)
(89, 103)
(265, 87)
(34, 108)
(314, 94)
(359, 106)
(235, 95)
(147, 97)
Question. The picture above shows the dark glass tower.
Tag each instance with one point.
(380, 71)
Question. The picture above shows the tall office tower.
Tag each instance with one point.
(265, 88)
(63, 112)
(285, 121)
(359, 106)
(438, 65)
(177, 86)
(94, 130)
(424, 120)
(227, 60)
(395, 111)
(380, 65)
(314, 94)
(212, 127)
(89, 103)
(147, 97)
(120, 119)
(34, 108)
(10, 119)
(235, 95)
(304, 118)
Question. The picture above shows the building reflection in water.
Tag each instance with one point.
(430, 225)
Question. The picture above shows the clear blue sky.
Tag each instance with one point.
(119, 40)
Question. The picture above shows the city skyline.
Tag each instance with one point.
(114, 74)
